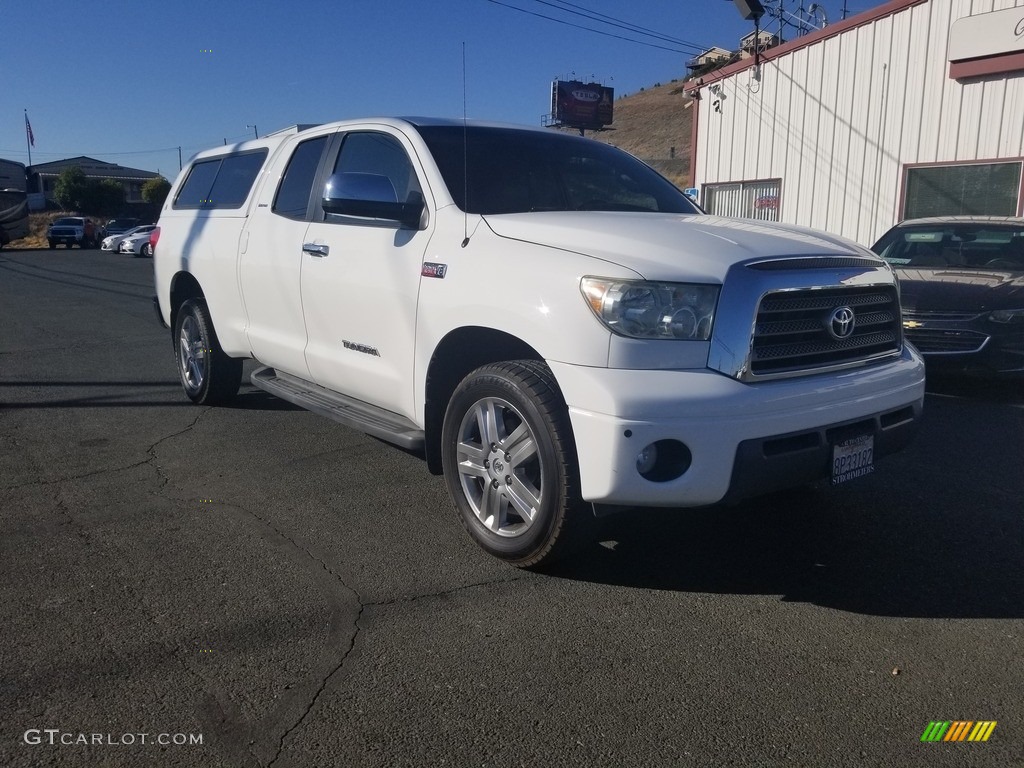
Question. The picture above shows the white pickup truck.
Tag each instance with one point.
(556, 327)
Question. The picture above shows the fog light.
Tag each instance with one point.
(646, 459)
(663, 461)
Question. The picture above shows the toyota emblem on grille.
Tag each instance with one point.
(841, 322)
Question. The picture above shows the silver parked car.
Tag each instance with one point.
(113, 242)
(137, 243)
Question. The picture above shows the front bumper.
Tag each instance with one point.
(739, 435)
(974, 346)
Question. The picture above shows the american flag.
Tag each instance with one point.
(28, 131)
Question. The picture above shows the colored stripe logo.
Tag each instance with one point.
(958, 730)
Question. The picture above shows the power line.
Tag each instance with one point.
(87, 153)
(591, 29)
(604, 18)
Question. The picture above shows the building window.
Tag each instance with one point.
(980, 189)
(745, 199)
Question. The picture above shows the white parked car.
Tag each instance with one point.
(113, 242)
(556, 327)
(137, 243)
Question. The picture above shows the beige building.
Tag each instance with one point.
(43, 176)
(913, 108)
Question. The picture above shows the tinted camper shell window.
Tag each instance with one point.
(220, 182)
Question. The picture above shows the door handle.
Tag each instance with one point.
(314, 249)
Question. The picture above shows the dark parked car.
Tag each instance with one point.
(120, 226)
(962, 288)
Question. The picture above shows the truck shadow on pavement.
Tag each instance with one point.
(253, 399)
(936, 531)
(130, 394)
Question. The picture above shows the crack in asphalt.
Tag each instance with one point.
(150, 451)
(362, 605)
(176, 651)
(318, 683)
(326, 678)
(452, 591)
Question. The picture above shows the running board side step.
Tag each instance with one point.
(382, 424)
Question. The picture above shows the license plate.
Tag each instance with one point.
(853, 458)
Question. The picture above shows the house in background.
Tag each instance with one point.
(43, 176)
(712, 55)
(757, 41)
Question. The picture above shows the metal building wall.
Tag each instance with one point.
(837, 120)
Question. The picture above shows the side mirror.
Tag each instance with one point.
(372, 196)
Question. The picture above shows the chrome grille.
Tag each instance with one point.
(791, 332)
(939, 341)
(925, 316)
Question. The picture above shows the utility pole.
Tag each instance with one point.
(254, 131)
(179, 158)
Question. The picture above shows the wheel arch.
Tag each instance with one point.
(461, 351)
(184, 286)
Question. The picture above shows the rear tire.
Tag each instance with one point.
(510, 464)
(207, 374)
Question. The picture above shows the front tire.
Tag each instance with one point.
(207, 374)
(510, 463)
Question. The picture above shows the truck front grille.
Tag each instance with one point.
(800, 330)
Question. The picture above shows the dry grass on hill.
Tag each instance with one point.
(37, 224)
(649, 124)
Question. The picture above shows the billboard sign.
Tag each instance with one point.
(581, 105)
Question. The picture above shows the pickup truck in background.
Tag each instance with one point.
(556, 327)
(73, 230)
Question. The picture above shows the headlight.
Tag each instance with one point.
(1006, 315)
(648, 310)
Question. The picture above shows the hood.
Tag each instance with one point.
(668, 246)
(960, 290)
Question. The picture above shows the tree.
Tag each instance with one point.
(71, 190)
(106, 198)
(155, 191)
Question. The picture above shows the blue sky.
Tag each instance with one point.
(129, 81)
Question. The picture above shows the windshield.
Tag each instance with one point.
(68, 223)
(122, 223)
(516, 171)
(964, 246)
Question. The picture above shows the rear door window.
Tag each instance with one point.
(292, 198)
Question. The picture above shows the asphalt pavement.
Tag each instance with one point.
(255, 585)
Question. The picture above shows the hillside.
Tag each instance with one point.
(649, 124)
